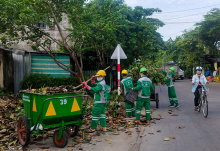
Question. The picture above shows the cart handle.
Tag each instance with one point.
(53, 99)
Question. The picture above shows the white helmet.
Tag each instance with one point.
(198, 68)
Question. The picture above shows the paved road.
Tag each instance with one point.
(199, 134)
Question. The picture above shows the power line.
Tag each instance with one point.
(187, 9)
(177, 32)
(173, 34)
(186, 16)
(174, 22)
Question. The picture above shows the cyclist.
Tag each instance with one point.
(198, 80)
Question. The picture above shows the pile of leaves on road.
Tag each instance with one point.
(11, 109)
(52, 90)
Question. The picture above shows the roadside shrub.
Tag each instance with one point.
(36, 81)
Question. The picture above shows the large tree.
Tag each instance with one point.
(95, 26)
(209, 31)
(19, 17)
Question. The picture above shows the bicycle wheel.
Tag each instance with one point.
(199, 106)
(205, 107)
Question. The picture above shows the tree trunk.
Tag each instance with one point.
(101, 58)
(79, 74)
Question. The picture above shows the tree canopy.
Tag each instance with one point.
(190, 48)
(97, 26)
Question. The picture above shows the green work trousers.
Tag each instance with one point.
(98, 113)
(172, 96)
(130, 109)
(140, 103)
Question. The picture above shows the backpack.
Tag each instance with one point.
(107, 92)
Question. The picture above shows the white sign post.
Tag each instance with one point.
(118, 54)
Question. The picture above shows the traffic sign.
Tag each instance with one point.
(121, 53)
(118, 54)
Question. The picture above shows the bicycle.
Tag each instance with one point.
(203, 102)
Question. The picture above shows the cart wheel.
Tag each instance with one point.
(24, 131)
(72, 130)
(157, 101)
(63, 141)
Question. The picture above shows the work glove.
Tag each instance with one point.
(87, 87)
(93, 80)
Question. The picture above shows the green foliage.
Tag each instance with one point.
(97, 26)
(189, 48)
(209, 30)
(35, 81)
(153, 73)
(113, 104)
(3, 92)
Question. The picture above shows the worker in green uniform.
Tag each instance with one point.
(144, 88)
(125, 84)
(169, 73)
(98, 112)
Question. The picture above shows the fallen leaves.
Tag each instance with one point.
(180, 127)
(159, 131)
(174, 115)
(142, 135)
(3, 131)
(51, 90)
(170, 111)
(10, 108)
(159, 115)
(172, 137)
(115, 133)
(156, 118)
(72, 145)
(107, 139)
(99, 140)
(132, 143)
(151, 133)
(166, 139)
(129, 132)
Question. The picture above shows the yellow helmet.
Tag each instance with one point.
(100, 73)
(124, 72)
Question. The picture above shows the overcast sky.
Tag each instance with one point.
(176, 21)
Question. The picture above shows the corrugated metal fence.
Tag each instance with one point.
(22, 67)
(89, 73)
(46, 65)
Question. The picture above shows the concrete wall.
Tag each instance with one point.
(22, 45)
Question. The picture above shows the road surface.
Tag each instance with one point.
(199, 134)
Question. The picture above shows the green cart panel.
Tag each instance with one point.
(52, 109)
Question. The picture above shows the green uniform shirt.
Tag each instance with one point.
(126, 83)
(99, 90)
(144, 87)
(170, 78)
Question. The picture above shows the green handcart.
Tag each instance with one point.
(51, 111)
